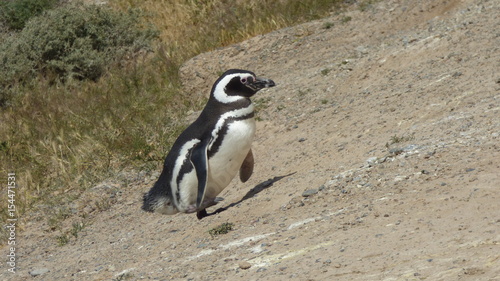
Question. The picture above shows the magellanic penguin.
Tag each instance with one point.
(208, 154)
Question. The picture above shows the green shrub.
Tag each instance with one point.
(74, 41)
(16, 13)
(221, 229)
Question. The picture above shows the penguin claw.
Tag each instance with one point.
(191, 209)
(211, 202)
(201, 212)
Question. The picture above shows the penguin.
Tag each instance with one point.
(210, 152)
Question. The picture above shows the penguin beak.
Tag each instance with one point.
(261, 83)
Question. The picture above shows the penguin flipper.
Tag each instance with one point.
(246, 168)
(199, 159)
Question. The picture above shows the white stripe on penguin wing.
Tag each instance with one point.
(183, 155)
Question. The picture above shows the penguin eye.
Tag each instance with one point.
(246, 80)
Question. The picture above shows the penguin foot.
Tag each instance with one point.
(209, 202)
(201, 214)
(205, 204)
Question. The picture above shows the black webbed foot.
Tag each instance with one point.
(201, 214)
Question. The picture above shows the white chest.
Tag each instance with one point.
(225, 163)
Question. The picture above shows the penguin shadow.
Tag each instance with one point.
(251, 193)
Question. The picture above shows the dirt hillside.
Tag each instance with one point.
(377, 158)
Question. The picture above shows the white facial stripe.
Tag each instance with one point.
(219, 92)
(178, 164)
(235, 113)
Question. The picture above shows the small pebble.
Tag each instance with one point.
(262, 269)
(40, 271)
(309, 192)
(400, 178)
(244, 265)
(371, 161)
(302, 139)
(396, 151)
(429, 154)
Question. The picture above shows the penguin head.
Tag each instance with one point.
(236, 84)
(158, 204)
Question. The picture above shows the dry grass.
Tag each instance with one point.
(62, 139)
(190, 27)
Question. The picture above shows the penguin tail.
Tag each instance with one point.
(146, 203)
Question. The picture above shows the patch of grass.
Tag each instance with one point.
(221, 229)
(399, 139)
(260, 105)
(262, 102)
(328, 25)
(210, 24)
(74, 231)
(345, 19)
(396, 139)
(367, 4)
(62, 240)
(55, 219)
(301, 94)
(76, 228)
(102, 204)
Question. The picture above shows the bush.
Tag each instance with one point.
(16, 13)
(74, 41)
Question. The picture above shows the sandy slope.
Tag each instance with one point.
(392, 117)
